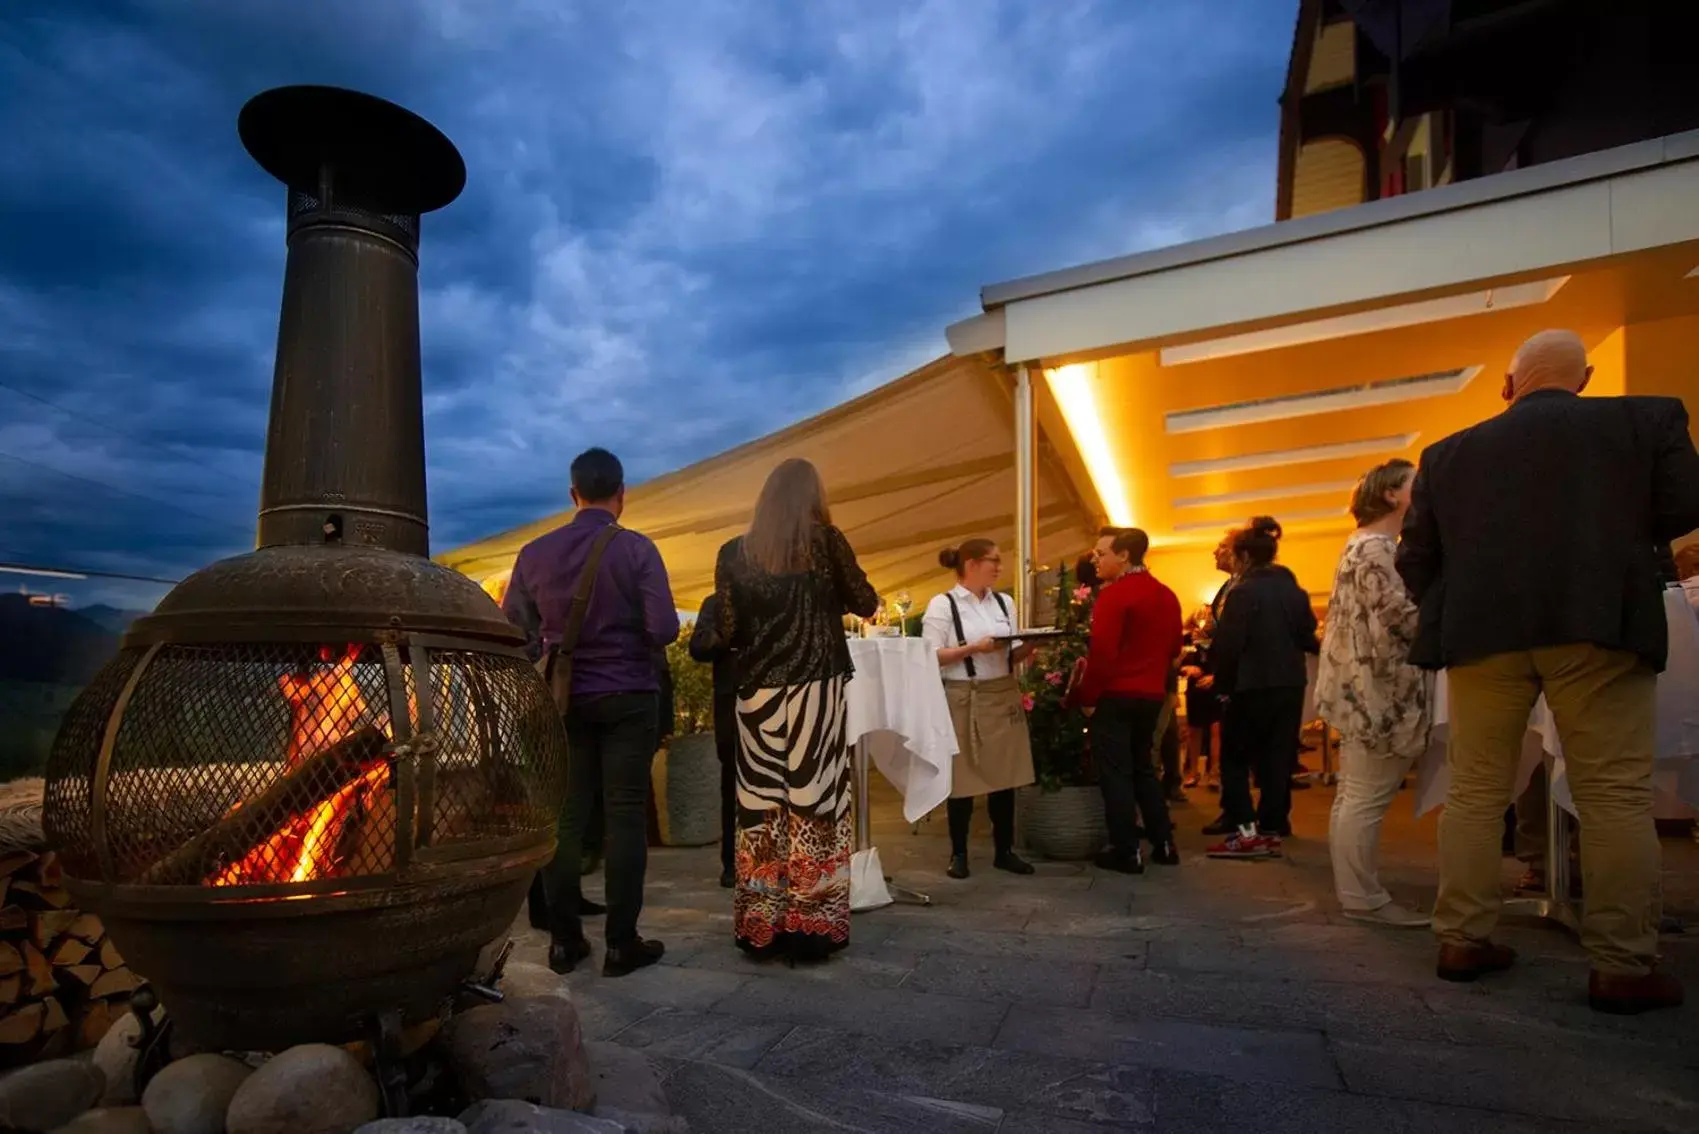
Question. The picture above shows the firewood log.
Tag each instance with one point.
(13, 861)
(13, 919)
(48, 927)
(55, 1017)
(40, 970)
(54, 896)
(85, 975)
(118, 982)
(23, 1025)
(11, 989)
(70, 952)
(109, 958)
(11, 959)
(87, 929)
(97, 1020)
(259, 818)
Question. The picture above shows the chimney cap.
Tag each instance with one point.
(382, 157)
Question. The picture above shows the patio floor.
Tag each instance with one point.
(1212, 997)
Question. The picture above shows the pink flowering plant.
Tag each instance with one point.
(1059, 754)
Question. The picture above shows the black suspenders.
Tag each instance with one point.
(961, 636)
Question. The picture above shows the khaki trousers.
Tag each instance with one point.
(1603, 703)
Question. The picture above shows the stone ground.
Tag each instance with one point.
(1212, 997)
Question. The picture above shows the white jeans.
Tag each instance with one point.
(1368, 783)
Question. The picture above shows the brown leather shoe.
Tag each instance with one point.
(1468, 962)
(1622, 994)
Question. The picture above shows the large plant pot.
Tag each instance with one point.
(1066, 824)
(686, 779)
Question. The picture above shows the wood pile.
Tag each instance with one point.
(62, 983)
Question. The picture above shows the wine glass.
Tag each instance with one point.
(902, 603)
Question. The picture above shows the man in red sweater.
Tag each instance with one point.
(1135, 642)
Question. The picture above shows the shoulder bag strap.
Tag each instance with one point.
(556, 663)
(961, 637)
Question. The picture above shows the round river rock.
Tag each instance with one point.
(190, 1095)
(311, 1089)
(527, 1048)
(45, 1096)
(109, 1120)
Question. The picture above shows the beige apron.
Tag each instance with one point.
(994, 749)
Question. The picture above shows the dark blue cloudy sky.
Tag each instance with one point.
(686, 223)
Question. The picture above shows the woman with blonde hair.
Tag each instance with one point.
(973, 627)
(783, 589)
(1368, 690)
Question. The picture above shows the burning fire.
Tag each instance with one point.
(326, 707)
(326, 704)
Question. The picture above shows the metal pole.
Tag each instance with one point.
(1026, 498)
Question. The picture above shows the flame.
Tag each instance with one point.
(310, 845)
(326, 705)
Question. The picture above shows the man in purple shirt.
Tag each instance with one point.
(612, 728)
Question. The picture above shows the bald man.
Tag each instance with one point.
(1531, 548)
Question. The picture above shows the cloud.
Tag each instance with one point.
(685, 224)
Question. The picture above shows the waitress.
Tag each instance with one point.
(973, 627)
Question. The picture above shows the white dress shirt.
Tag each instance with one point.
(981, 618)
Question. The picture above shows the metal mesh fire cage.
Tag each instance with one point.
(316, 781)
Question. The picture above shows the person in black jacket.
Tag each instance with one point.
(1258, 656)
(1529, 548)
(706, 646)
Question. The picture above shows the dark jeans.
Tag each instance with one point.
(611, 739)
(1001, 804)
(725, 747)
(1171, 753)
(1122, 732)
(1260, 736)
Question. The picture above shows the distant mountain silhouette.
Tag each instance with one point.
(109, 618)
(49, 643)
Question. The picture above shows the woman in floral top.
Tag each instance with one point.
(1368, 690)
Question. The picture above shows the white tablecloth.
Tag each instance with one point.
(897, 707)
(1675, 777)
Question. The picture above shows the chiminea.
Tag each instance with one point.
(317, 780)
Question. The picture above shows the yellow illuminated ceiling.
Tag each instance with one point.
(1186, 485)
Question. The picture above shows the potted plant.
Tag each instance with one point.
(1062, 814)
(686, 778)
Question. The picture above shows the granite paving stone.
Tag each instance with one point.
(680, 1033)
(1024, 980)
(1364, 1011)
(1067, 1087)
(892, 1012)
(1216, 997)
(943, 938)
(1195, 1103)
(1628, 1095)
(1251, 1054)
(715, 1098)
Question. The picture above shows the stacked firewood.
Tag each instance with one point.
(62, 983)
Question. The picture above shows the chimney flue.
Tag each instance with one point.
(345, 458)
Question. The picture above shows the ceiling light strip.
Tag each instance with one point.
(1279, 458)
(1386, 392)
(1279, 492)
(1366, 322)
(1072, 388)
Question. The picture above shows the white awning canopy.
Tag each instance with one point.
(916, 465)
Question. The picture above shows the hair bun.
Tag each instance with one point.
(1267, 525)
(950, 557)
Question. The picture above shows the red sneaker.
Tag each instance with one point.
(1245, 843)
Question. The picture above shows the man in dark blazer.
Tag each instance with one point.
(1530, 549)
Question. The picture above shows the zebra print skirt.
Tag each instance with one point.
(794, 833)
